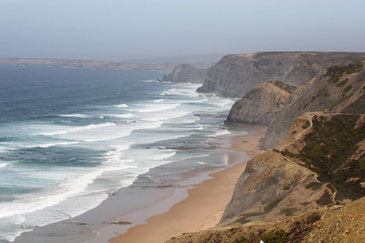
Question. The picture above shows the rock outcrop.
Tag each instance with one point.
(261, 104)
(314, 165)
(336, 89)
(236, 75)
(186, 73)
(320, 162)
(300, 191)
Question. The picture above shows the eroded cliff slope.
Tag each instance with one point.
(296, 191)
(334, 89)
(261, 104)
(236, 75)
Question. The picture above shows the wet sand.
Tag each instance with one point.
(205, 203)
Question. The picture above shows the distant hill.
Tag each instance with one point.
(88, 64)
(186, 73)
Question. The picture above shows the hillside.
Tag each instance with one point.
(186, 73)
(310, 176)
(87, 64)
(236, 75)
(335, 89)
(261, 104)
(336, 224)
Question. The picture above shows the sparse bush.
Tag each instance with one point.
(278, 236)
(272, 205)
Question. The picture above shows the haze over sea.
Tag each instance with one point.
(69, 137)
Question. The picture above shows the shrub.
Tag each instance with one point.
(272, 205)
(277, 236)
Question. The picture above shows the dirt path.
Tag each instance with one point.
(297, 137)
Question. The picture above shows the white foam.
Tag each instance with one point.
(2, 165)
(189, 92)
(156, 107)
(164, 93)
(76, 129)
(163, 116)
(113, 132)
(158, 101)
(163, 156)
(47, 145)
(73, 186)
(220, 133)
(128, 115)
(122, 106)
(75, 115)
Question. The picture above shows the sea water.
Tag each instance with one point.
(70, 137)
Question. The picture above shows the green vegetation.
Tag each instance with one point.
(325, 199)
(313, 185)
(362, 165)
(329, 152)
(287, 153)
(306, 125)
(305, 203)
(293, 182)
(347, 89)
(272, 205)
(335, 72)
(354, 68)
(335, 103)
(278, 236)
(288, 211)
(242, 240)
(358, 107)
(342, 83)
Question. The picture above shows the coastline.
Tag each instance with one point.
(205, 202)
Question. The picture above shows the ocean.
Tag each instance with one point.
(70, 137)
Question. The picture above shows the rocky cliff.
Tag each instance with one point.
(334, 89)
(236, 75)
(321, 161)
(316, 169)
(261, 104)
(300, 189)
(186, 73)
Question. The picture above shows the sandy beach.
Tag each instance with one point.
(205, 203)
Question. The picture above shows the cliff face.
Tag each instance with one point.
(297, 191)
(316, 160)
(320, 162)
(336, 89)
(261, 104)
(186, 73)
(272, 187)
(236, 75)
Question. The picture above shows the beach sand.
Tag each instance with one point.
(205, 203)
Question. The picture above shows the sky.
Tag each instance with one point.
(119, 29)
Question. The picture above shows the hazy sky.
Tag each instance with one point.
(115, 29)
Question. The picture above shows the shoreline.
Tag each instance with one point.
(205, 201)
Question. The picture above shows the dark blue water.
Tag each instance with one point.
(68, 137)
